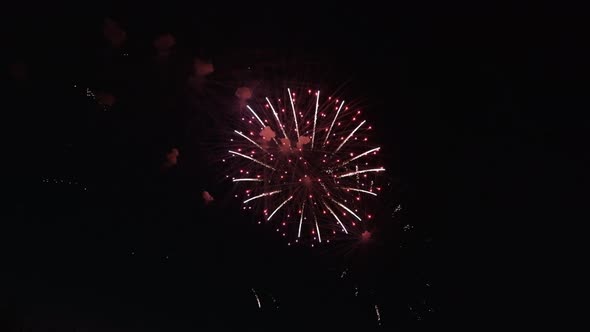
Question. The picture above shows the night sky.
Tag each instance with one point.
(476, 107)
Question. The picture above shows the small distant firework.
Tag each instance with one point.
(306, 166)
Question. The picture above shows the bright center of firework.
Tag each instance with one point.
(307, 181)
(313, 167)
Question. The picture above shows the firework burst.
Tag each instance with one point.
(305, 165)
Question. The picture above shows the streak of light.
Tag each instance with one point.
(318, 229)
(349, 136)
(346, 208)
(378, 314)
(333, 121)
(249, 139)
(294, 113)
(277, 117)
(256, 115)
(279, 207)
(254, 160)
(360, 190)
(315, 118)
(360, 155)
(247, 180)
(337, 219)
(301, 218)
(380, 169)
(262, 195)
(257, 299)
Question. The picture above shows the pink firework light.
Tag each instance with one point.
(305, 165)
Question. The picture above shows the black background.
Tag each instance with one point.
(478, 105)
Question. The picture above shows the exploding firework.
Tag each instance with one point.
(305, 165)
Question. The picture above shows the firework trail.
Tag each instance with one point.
(306, 164)
(378, 314)
(257, 299)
